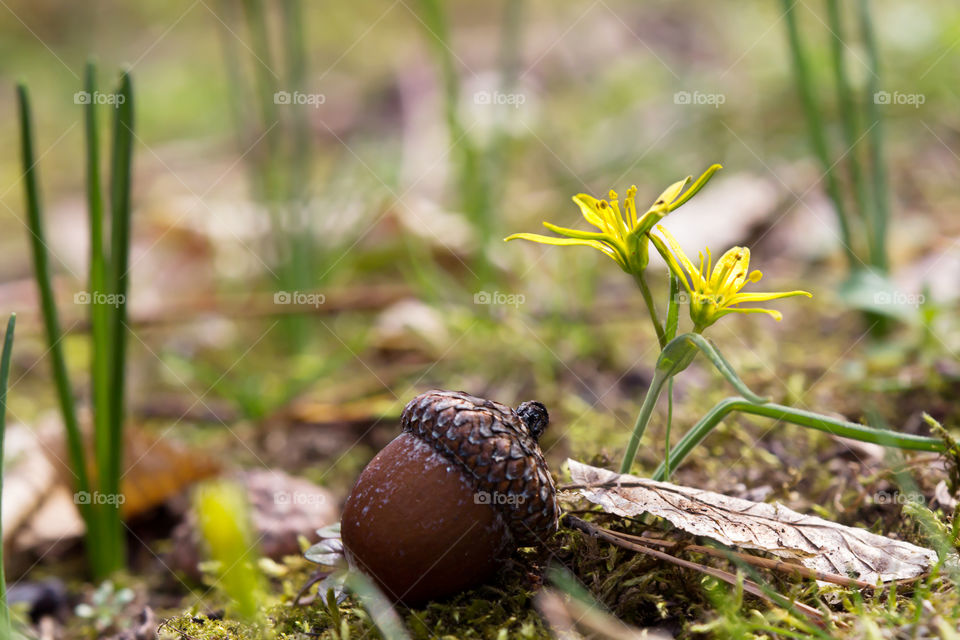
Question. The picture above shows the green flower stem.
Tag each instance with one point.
(648, 300)
(675, 357)
(666, 438)
(800, 417)
(660, 377)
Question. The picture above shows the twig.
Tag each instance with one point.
(758, 561)
(748, 585)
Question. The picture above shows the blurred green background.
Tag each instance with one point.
(431, 131)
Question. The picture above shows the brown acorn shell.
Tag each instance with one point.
(490, 442)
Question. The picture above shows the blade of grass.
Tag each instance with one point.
(473, 170)
(99, 312)
(815, 127)
(881, 194)
(4, 377)
(120, 177)
(51, 323)
(848, 114)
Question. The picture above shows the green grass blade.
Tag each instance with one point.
(881, 194)
(4, 377)
(848, 115)
(472, 163)
(120, 211)
(99, 312)
(51, 322)
(815, 127)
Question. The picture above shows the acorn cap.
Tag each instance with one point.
(498, 448)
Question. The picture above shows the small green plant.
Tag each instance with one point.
(480, 167)
(710, 293)
(98, 494)
(224, 518)
(856, 178)
(106, 606)
(271, 117)
(5, 630)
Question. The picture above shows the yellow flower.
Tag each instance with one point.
(714, 291)
(623, 234)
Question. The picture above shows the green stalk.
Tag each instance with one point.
(5, 631)
(651, 309)
(120, 177)
(297, 165)
(673, 322)
(800, 417)
(666, 438)
(673, 309)
(881, 195)
(660, 378)
(51, 323)
(818, 139)
(675, 357)
(848, 113)
(99, 311)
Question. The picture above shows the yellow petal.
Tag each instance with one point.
(569, 242)
(582, 235)
(589, 208)
(763, 297)
(695, 187)
(671, 261)
(682, 257)
(776, 315)
(670, 193)
(730, 271)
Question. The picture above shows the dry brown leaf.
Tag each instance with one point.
(816, 543)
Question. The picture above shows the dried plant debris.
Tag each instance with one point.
(816, 543)
(571, 619)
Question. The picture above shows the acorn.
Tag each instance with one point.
(441, 506)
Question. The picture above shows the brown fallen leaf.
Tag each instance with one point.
(156, 468)
(816, 543)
